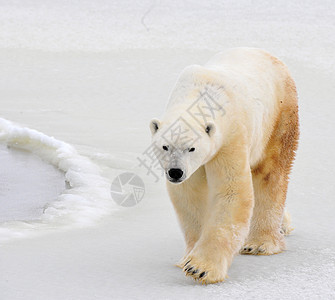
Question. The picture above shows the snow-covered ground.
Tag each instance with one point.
(92, 74)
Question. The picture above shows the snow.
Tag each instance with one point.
(86, 198)
(92, 75)
(39, 187)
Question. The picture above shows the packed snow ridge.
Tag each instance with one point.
(86, 198)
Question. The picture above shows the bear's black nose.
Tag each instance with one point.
(176, 173)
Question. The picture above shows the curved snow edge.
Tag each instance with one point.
(88, 197)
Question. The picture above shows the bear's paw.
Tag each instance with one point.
(204, 271)
(264, 246)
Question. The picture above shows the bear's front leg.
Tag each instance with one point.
(190, 201)
(228, 215)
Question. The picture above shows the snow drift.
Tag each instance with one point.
(87, 196)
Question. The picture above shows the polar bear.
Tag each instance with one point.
(227, 142)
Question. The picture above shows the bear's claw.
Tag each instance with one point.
(204, 269)
(252, 250)
(264, 247)
(191, 271)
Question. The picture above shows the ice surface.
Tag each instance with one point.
(28, 184)
(86, 198)
(93, 74)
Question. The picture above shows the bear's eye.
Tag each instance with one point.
(191, 149)
(166, 148)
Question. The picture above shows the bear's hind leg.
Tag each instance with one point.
(286, 228)
(265, 236)
(270, 180)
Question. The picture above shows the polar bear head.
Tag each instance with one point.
(182, 146)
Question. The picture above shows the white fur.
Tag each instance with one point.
(239, 71)
(213, 188)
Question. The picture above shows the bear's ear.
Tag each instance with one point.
(210, 129)
(154, 126)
